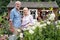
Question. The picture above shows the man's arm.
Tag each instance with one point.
(11, 24)
(11, 19)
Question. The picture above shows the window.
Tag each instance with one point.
(33, 12)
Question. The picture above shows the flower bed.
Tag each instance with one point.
(44, 30)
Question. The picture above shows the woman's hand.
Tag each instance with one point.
(29, 24)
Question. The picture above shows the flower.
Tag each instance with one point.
(56, 22)
(1, 35)
(41, 25)
(24, 29)
(37, 23)
(52, 16)
(28, 28)
(21, 35)
(59, 21)
(18, 30)
(58, 26)
(48, 22)
(31, 31)
(44, 24)
(34, 27)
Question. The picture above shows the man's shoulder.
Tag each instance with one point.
(13, 10)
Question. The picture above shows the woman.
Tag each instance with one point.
(27, 19)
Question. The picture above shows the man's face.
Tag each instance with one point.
(18, 5)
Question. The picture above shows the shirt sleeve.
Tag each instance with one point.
(11, 16)
(31, 20)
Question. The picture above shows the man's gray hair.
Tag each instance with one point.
(17, 2)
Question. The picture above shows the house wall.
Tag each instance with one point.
(38, 10)
(56, 13)
(55, 10)
(9, 9)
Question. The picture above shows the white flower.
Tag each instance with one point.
(41, 25)
(56, 22)
(59, 21)
(48, 22)
(58, 26)
(31, 31)
(52, 16)
(33, 28)
(44, 24)
(45, 20)
(21, 35)
(44, 27)
(37, 23)
(24, 29)
(18, 30)
(1, 35)
(28, 28)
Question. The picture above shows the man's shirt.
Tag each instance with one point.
(15, 17)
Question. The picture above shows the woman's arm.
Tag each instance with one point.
(31, 21)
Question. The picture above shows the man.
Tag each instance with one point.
(15, 18)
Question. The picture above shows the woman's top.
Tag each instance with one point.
(27, 20)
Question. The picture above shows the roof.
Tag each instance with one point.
(35, 4)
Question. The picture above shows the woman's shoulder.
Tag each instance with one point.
(30, 15)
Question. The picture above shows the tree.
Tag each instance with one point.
(3, 5)
(58, 2)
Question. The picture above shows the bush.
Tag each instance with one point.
(4, 25)
(46, 32)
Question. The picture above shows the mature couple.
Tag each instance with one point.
(17, 21)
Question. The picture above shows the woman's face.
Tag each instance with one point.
(25, 11)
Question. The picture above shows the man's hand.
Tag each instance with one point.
(12, 29)
(11, 26)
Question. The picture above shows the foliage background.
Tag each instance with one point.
(47, 34)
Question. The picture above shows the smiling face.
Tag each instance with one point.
(25, 11)
(17, 5)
